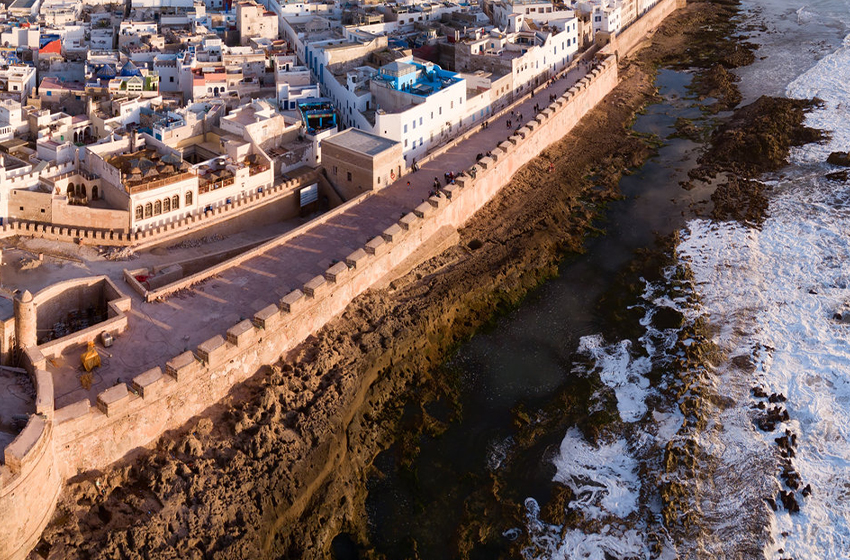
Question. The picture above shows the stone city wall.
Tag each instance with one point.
(79, 437)
(30, 479)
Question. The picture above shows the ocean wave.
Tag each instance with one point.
(828, 80)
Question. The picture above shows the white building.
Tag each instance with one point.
(292, 83)
(418, 105)
(254, 20)
(606, 15)
(12, 118)
(21, 37)
(159, 4)
(61, 12)
(17, 81)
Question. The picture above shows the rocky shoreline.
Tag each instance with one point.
(278, 469)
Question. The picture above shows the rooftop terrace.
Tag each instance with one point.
(148, 169)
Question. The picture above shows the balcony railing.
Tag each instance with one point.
(256, 169)
(157, 184)
(207, 186)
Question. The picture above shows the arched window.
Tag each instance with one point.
(94, 192)
(175, 202)
(148, 210)
(188, 198)
(157, 208)
(140, 212)
(81, 190)
(166, 205)
(71, 189)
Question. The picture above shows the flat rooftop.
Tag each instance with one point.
(363, 142)
(21, 4)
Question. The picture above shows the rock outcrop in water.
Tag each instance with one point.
(758, 137)
(839, 158)
(755, 140)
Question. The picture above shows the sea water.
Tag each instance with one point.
(772, 294)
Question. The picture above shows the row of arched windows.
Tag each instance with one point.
(151, 209)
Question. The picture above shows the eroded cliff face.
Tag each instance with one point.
(279, 467)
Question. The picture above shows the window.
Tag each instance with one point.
(420, 121)
(335, 170)
(175, 202)
(405, 142)
(188, 198)
(405, 128)
(166, 205)
(157, 208)
(348, 175)
(171, 78)
(440, 111)
(140, 212)
(148, 210)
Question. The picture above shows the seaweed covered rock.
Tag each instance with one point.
(758, 137)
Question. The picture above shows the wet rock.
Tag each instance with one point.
(839, 158)
(838, 176)
(667, 318)
(740, 200)
(806, 491)
(771, 417)
(789, 502)
(842, 314)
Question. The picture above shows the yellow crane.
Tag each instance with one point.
(90, 358)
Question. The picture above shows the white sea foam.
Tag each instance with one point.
(780, 287)
(786, 281)
(603, 479)
(620, 371)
